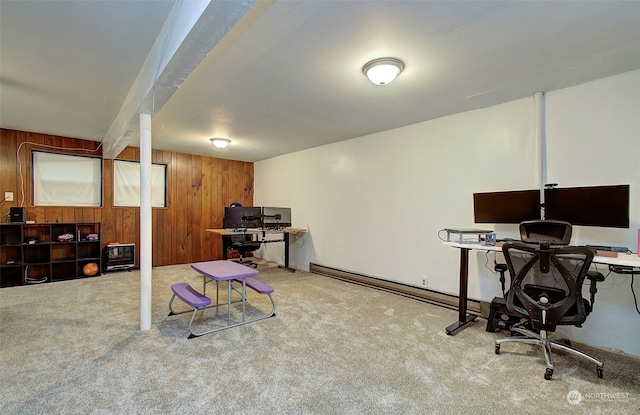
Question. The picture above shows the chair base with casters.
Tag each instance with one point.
(546, 344)
(246, 262)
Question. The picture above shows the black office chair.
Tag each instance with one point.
(555, 232)
(243, 244)
(546, 291)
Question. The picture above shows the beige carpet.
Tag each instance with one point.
(333, 348)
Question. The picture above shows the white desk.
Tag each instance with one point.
(627, 260)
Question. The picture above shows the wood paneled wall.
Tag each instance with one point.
(198, 189)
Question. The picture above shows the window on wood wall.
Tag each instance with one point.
(126, 184)
(66, 180)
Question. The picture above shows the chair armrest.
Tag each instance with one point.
(501, 269)
(595, 276)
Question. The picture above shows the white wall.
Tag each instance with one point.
(375, 204)
(594, 139)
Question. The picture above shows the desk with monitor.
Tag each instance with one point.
(631, 261)
(257, 222)
(600, 206)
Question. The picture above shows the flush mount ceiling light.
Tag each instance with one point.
(220, 142)
(383, 71)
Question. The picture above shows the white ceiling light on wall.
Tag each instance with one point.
(383, 71)
(220, 142)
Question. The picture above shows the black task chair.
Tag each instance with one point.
(555, 232)
(545, 290)
(243, 244)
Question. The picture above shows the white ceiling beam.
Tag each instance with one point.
(191, 31)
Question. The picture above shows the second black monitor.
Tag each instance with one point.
(604, 206)
(276, 217)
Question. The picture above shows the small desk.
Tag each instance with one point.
(227, 271)
(628, 260)
(286, 232)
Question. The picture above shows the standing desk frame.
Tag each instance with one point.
(464, 319)
(286, 232)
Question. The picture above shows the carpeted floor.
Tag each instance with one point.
(333, 348)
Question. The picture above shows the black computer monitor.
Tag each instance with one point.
(276, 217)
(242, 217)
(506, 207)
(602, 206)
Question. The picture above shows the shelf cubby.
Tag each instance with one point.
(11, 255)
(64, 251)
(10, 234)
(36, 253)
(59, 229)
(88, 250)
(11, 276)
(36, 233)
(84, 262)
(37, 273)
(61, 271)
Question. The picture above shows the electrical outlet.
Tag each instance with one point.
(8, 196)
(425, 282)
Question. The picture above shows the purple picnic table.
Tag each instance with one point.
(221, 271)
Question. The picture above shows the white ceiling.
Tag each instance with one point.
(288, 75)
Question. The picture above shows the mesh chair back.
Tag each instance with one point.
(546, 283)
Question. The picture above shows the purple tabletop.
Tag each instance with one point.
(223, 270)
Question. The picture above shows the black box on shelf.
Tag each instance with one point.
(17, 214)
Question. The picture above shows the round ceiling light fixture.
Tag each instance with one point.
(383, 71)
(220, 142)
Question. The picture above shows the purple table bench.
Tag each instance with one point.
(221, 271)
(186, 293)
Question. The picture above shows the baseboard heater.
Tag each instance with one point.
(480, 308)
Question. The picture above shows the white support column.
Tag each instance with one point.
(540, 131)
(145, 222)
(540, 137)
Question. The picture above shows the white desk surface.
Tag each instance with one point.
(628, 260)
(255, 231)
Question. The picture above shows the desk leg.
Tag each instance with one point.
(225, 247)
(463, 318)
(286, 253)
(286, 250)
